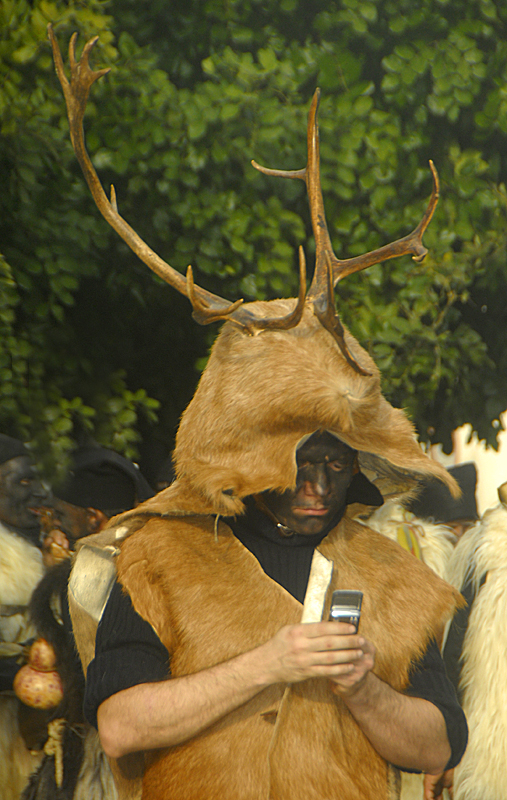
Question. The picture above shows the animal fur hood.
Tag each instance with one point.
(260, 395)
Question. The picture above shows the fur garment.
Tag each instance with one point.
(86, 774)
(198, 594)
(260, 395)
(482, 551)
(258, 398)
(434, 545)
(21, 569)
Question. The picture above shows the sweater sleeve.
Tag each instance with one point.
(429, 681)
(127, 652)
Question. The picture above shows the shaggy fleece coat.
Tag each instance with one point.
(483, 552)
(20, 571)
(433, 544)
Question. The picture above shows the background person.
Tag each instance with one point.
(100, 483)
(475, 655)
(21, 569)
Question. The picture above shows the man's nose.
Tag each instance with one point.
(39, 491)
(317, 481)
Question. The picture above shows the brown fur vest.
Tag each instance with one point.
(209, 600)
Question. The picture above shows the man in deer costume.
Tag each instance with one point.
(213, 674)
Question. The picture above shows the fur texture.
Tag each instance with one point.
(435, 541)
(436, 548)
(95, 780)
(86, 771)
(20, 571)
(198, 594)
(260, 395)
(483, 551)
(16, 762)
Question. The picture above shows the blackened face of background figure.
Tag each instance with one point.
(325, 469)
(20, 492)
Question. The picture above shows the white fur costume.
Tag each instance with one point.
(483, 551)
(20, 571)
(436, 542)
(434, 545)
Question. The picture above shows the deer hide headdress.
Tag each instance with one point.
(259, 396)
(280, 369)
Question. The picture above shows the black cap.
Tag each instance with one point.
(103, 479)
(436, 502)
(11, 448)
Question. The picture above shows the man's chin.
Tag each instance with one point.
(310, 523)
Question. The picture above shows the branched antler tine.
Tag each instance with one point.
(280, 173)
(76, 95)
(324, 255)
(323, 248)
(203, 313)
(257, 324)
(311, 175)
(430, 210)
(410, 244)
(114, 204)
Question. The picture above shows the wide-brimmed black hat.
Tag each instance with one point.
(436, 502)
(11, 448)
(103, 479)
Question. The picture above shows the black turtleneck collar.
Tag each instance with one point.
(286, 559)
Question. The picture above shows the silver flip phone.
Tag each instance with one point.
(346, 606)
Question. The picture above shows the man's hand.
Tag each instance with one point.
(318, 650)
(166, 713)
(434, 785)
(407, 731)
(55, 547)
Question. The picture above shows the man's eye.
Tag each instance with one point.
(336, 466)
(25, 481)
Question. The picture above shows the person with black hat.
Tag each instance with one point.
(435, 502)
(428, 524)
(21, 568)
(475, 652)
(100, 484)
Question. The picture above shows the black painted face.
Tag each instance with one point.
(325, 469)
(71, 519)
(20, 490)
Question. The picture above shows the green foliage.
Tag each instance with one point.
(91, 342)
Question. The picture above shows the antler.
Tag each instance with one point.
(329, 269)
(207, 307)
